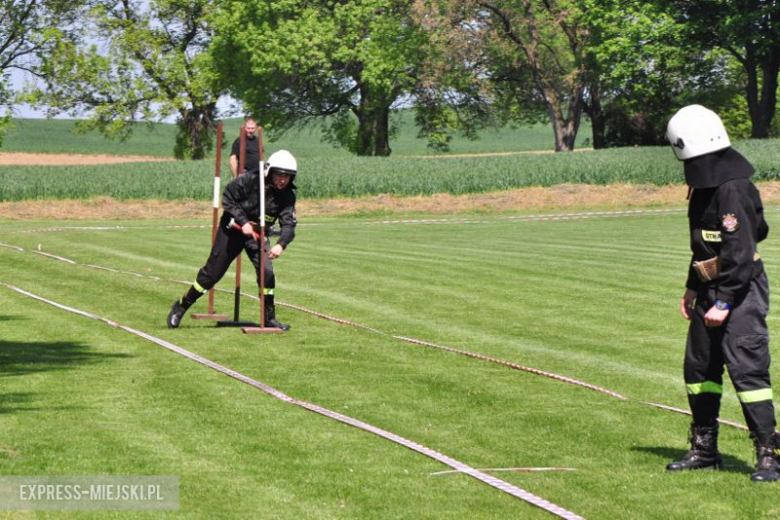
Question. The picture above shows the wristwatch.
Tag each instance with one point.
(722, 306)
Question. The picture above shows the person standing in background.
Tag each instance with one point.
(251, 151)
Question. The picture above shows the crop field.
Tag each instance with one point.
(327, 172)
(59, 136)
(356, 177)
(448, 324)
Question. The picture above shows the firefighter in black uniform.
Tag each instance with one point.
(727, 293)
(240, 203)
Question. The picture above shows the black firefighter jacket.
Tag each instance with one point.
(726, 220)
(241, 201)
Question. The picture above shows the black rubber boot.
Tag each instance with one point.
(270, 315)
(703, 453)
(176, 314)
(776, 446)
(181, 306)
(766, 458)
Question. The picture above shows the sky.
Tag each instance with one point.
(19, 78)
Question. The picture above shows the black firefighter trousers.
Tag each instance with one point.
(228, 244)
(742, 344)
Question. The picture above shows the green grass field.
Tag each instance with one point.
(588, 298)
(59, 136)
(594, 299)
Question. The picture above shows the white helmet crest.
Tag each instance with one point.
(694, 131)
(283, 162)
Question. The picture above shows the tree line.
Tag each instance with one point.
(348, 65)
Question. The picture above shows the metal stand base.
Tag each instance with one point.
(262, 330)
(209, 316)
(237, 324)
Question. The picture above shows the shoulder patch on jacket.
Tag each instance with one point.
(730, 222)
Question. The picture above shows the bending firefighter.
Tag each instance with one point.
(727, 293)
(241, 206)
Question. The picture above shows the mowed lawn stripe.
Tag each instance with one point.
(486, 415)
(513, 337)
(582, 368)
(443, 458)
(211, 433)
(489, 311)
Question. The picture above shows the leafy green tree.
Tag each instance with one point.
(27, 29)
(644, 69)
(526, 57)
(630, 69)
(645, 65)
(749, 31)
(150, 63)
(291, 61)
(628, 65)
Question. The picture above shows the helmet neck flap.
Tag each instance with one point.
(714, 169)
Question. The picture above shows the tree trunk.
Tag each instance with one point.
(363, 137)
(382, 132)
(373, 113)
(761, 105)
(751, 90)
(195, 132)
(565, 127)
(768, 102)
(197, 151)
(597, 120)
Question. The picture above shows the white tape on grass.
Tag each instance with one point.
(514, 366)
(686, 412)
(522, 470)
(497, 483)
(60, 258)
(550, 217)
(409, 340)
(542, 217)
(108, 228)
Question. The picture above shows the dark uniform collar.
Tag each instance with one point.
(714, 169)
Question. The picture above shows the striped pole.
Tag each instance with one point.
(237, 294)
(241, 150)
(214, 222)
(261, 221)
(262, 329)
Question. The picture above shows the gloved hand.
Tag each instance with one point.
(249, 230)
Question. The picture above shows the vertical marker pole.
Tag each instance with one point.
(214, 223)
(242, 149)
(262, 329)
(262, 225)
(215, 203)
(237, 301)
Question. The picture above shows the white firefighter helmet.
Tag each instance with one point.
(282, 162)
(694, 131)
